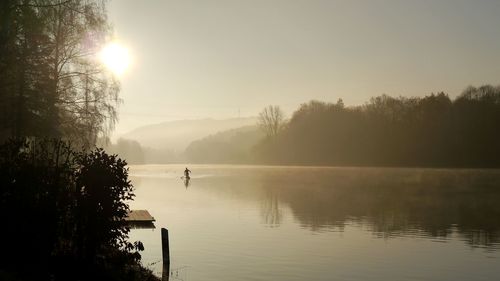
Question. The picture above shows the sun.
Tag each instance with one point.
(115, 57)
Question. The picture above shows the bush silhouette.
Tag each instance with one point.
(63, 213)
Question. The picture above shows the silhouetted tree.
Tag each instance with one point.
(271, 120)
(51, 85)
(87, 94)
(25, 100)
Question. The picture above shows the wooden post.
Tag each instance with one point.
(165, 249)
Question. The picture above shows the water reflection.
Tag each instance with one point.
(271, 212)
(186, 182)
(390, 202)
(434, 203)
(292, 223)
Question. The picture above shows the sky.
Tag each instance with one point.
(229, 58)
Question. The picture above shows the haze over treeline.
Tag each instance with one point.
(428, 131)
(233, 146)
(166, 142)
(386, 131)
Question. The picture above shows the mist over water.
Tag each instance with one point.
(318, 223)
(322, 90)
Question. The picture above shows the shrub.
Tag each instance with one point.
(63, 213)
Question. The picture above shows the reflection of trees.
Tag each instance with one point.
(270, 209)
(394, 202)
(434, 203)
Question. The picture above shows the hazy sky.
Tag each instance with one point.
(211, 58)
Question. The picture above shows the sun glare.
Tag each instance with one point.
(116, 57)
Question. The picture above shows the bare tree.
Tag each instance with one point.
(271, 120)
(86, 95)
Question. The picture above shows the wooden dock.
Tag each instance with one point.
(139, 216)
(140, 219)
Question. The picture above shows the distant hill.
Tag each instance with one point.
(177, 135)
(227, 147)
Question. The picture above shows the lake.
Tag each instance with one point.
(321, 223)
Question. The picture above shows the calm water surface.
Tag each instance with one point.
(298, 223)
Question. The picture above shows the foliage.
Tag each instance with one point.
(102, 191)
(51, 84)
(419, 131)
(63, 212)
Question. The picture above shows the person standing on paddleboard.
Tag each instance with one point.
(186, 173)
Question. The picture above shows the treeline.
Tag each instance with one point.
(135, 153)
(226, 147)
(433, 131)
(51, 83)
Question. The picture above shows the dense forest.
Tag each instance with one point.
(430, 131)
